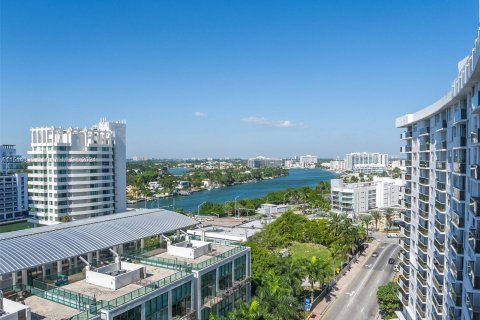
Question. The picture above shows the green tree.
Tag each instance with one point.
(366, 219)
(316, 271)
(376, 215)
(389, 217)
(388, 302)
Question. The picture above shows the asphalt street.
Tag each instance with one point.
(358, 301)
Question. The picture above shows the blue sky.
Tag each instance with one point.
(233, 78)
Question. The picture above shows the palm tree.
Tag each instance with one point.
(366, 219)
(246, 312)
(388, 217)
(376, 215)
(293, 271)
(317, 272)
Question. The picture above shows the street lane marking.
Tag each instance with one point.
(368, 275)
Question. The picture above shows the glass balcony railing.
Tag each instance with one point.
(459, 167)
(475, 171)
(459, 194)
(440, 206)
(406, 135)
(441, 186)
(424, 131)
(441, 165)
(424, 181)
(460, 115)
(439, 266)
(475, 206)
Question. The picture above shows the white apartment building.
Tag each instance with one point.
(354, 198)
(337, 165)
(77, 172)
(13, 187)
(364, 158)
(440, 261)
(263, 162)
(308, 160)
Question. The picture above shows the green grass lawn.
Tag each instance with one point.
(308, 250)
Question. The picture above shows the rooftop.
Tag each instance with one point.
(48, 244)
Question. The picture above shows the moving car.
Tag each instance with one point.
(375, 254)
(396, 268)
(391, 261)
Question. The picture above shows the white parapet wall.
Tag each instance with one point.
(14, 311)
(191, 249)
(115, 275)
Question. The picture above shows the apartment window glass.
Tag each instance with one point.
(208, 285)
(157, 308)
(240, 267)
(225, 276)
(181, 300)
(132, 314)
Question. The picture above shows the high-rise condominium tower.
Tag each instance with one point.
(440, 261)
(77, 173)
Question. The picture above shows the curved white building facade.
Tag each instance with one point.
(77, 172)
(440, 260)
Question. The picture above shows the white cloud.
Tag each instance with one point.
(260, 121)
(200, 114)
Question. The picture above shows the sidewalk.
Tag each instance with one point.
(341, 285)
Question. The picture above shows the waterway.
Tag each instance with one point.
(296, 178)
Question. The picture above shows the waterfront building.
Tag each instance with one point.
(440, 260)
(337, 165)
(262, 162)
(308, 161)
(354, 198)
(370, 168)
(13, 187)
(133, 265)
(363, 158)
(77, 172)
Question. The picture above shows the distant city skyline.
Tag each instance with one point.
(230, 79)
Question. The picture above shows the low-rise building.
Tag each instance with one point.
(354, 198)
(268, 208)
(132, 265)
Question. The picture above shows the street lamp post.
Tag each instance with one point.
(284, 198)
(198, 207)
(235, 210)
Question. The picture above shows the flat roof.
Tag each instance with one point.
(29, 248)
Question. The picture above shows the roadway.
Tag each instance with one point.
(358, 301)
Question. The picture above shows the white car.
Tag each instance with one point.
(396, 268)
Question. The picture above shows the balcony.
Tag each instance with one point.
(456, 298)
(441, 145)
(424, 181)
(408, 191)
(423, 213)
(458, 194)
(423, 230)
(437, 304)
(406, 135)
(438, 285)
(425, 147)
(422, 263)
(443, 125)
(405, 231)
(421, 310)
(406, 149)
(439, 266)
(475, 171)
(440, 226)
(440, 246)
(424, 131)
(408, 177)
(458, 221)
(474, 278)
(441, 165)
(440, 206)
(459, 167)
(474, 242)
(424, 164)
(407, 163)
(474, 136)
(459, 116)
(475, 206)
(423, 247)
(456, 246)
(460, 142)
(441, 186)
(422, 295)
(423, 197)
(473, 310)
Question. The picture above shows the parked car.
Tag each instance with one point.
(375, 254)
(391, 261)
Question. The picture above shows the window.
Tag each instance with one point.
(208, 283)
(132, 314)
(225, 276)
(157, 308)
(181, 300)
